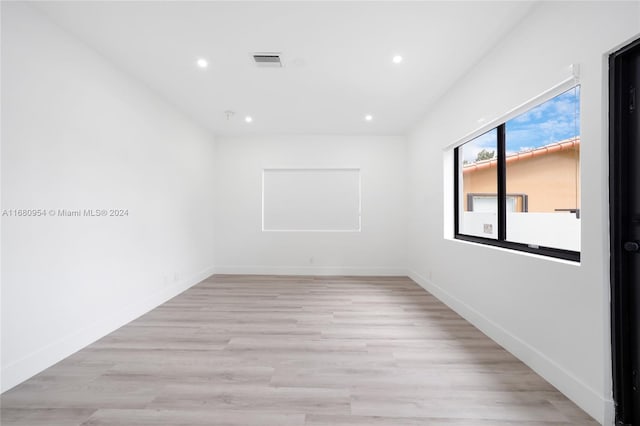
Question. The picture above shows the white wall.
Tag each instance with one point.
(241, 246)
(552, 314)
(559, 230)
(79, 134)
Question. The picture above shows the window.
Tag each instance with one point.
(518, 185)
(479, 166)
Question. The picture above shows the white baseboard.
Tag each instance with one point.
(600, 408)
(30, 365)
(310, 270)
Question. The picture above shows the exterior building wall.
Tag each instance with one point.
(550, 181)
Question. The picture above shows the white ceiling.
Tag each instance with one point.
(337, 57)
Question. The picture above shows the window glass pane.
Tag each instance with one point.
(478, 212)
(543, 174)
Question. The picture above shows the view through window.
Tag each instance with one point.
(519, 184)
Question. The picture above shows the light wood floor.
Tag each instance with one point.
(257, 350)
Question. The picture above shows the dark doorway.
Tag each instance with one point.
(624, 201)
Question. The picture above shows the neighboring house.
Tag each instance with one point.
(545, 179)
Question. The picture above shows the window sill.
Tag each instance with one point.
(516, 251)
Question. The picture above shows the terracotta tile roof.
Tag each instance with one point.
(524, 155)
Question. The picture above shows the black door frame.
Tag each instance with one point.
(621, 307)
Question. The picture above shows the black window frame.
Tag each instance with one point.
(501, 240)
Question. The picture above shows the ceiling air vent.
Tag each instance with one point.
(268, 60)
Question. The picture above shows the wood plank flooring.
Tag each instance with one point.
(291, 351)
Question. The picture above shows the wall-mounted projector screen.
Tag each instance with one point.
(311, 200)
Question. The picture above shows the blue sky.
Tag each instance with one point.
(552, 121)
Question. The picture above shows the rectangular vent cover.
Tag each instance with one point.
(271, 60)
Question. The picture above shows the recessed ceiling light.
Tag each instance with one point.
(202, 63)
(397, 59)
(248, 119)
(368, 117)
